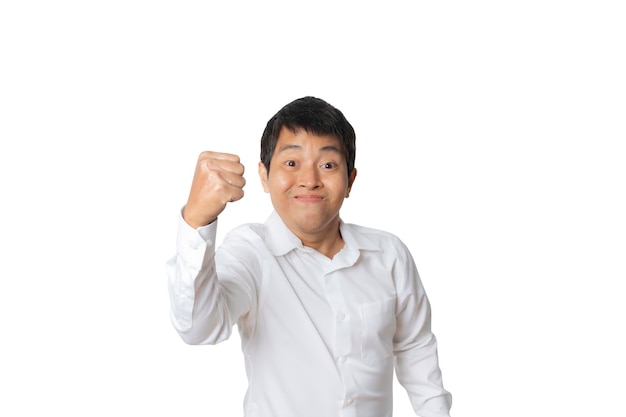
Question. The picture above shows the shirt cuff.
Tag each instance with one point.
(191, 243)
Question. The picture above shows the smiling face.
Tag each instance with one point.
(307, 183)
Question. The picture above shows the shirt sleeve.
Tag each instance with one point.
(415, 346)
(203, 308)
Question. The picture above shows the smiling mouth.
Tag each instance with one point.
(309, 198)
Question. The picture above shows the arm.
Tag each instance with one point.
(203, 308)
(415, 346)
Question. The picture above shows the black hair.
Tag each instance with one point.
(316, 117)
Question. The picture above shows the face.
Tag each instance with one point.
(307, 183)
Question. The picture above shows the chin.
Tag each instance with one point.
(313, 224)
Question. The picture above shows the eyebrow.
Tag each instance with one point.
(329, 148)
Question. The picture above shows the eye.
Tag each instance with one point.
(329, 165)
(290, 163)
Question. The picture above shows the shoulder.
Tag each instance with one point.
(246, 232)
(381, 239)
(243, 244)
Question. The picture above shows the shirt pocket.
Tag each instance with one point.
(378, 324)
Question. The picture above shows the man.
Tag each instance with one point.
(325, 309)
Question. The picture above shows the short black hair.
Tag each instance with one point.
(316, 117)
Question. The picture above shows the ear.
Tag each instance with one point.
(350, 182)
(263, 176)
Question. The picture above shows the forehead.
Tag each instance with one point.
(300, 139)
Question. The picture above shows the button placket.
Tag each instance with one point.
(345, 344)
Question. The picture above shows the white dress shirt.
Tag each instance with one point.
(320, 336)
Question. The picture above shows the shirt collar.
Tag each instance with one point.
(280, 240)
(278, 237)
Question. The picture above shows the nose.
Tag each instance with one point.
(309, 177)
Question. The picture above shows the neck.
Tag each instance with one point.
(327, 247)
(327, 241)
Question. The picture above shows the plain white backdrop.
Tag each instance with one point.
(490, 138)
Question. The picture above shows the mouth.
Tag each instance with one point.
(309, 198)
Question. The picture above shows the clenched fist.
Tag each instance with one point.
(218, 180)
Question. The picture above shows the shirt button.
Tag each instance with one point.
(341, 316)
(342, 359)
(350, 401)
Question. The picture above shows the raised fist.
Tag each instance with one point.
(218, 180)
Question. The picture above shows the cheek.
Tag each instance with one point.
(341, 187)
(278, 183)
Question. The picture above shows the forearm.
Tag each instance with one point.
(418, 371)
(198, 309)
(415, 347)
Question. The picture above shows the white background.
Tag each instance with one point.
(490, 139)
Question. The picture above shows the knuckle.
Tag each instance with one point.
(205, 155)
